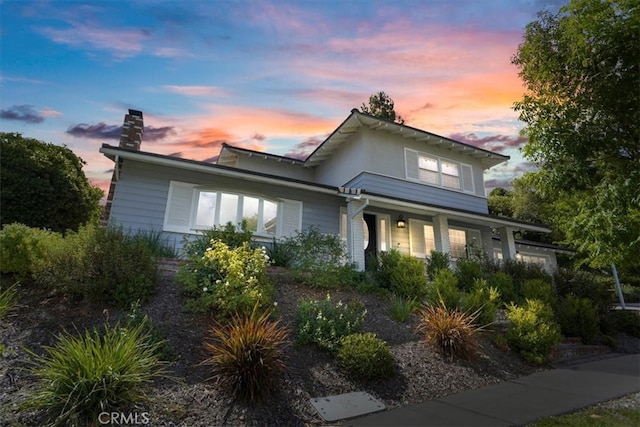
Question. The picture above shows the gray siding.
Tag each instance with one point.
(394, 187)
(274, 167)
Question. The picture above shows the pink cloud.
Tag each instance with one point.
(194, 90)
(50, 112)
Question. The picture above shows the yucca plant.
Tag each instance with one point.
(401, 308)
(84, 375)
(248, 352)
(452, 331)
(8, 299)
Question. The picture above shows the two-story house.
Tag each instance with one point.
(378, 184)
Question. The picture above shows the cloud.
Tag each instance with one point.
(490, 184)
(22, 113)
(497, 143)
(104, 131)
(50, 112)
(194, 90)
(303, 149)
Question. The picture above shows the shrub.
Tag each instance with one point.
(157, 244)
(8, 299)
(578, 318)
(584, 284)
(467, 272)
(402, 274)
(452, 331)
(228, 279)
(280, 252)
(84, 375)
(522, 271)
(232, 236)
(539, 289)
(21, 246)
(503, 283)
(247, 355)
(325, 324)
(401, 308)
(437, 261)
(625, 321)
(364, 356)
(532, 331)
(444, 290)
(482, 299)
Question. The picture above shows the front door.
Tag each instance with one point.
(371, 238)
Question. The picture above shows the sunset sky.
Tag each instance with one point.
(277, 76)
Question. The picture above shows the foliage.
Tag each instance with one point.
(520, 272)
(444, 290)
(482, 299)
(402, 274)
(136, 317)
(593, 417)
(231, 235)
(84, 375)
(43, 185)
(503, 283)
(157, 244)
(539, 289)
(8, 299)
(380, 105)
(625, 321)
(437, 261)
(578, 318)
(467, 272)
(325, 324)
(454, 332)
(585, 284)
(248, 354)
(532, 331)
(401, 308)
(227, 279)
(21, 246)
(583, 122)
(364, 356)
(500, 203)
(281, 253)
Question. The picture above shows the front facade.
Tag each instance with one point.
(379, 185)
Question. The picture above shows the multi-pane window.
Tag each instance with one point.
(428, 170)
(457, 243)
(450, 174)
(434, 170)
(429, 240)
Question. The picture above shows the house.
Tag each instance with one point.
(378, 184)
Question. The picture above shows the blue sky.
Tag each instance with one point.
(276, 76)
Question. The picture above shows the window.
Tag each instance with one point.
(438, 171)
(457, 243)
(219, 208)
(531, 258)
(429, 240)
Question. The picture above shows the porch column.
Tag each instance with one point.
(441, 233)
(355, 232)
(508, 243)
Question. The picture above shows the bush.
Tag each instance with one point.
(578, 318)
(452, 331)
(503, 283)
(157, 244)
(584, 284)
(437, 261)
(248, 354)
(539, 289)
(467, 272)
(444, 290)
(225, 278)
(280, 253)
(625, 321)
(532, 331)
(522, 271)
(22, 246)
(8, 299)
(85, 375)
(402, 274)
(482, 299)
(325, 324)
(401, 308)
(364, 356)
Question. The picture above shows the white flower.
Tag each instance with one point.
(275, 303)
(205, 289)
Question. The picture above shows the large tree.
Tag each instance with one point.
(582, 120)
(380, 105)
(43, 185)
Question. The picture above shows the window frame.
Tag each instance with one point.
(463, 185)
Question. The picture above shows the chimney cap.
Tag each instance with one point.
(135, 113)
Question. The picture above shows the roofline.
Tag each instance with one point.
(261, 153)
(205, 167)
(556, 248)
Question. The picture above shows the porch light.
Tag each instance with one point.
(401, 222)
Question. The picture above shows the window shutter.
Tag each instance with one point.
(290, 218)
(411, 161)
(416, 238)
(467, 178)
(177, 216)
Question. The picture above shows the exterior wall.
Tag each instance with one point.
(396, 187)
(275, 167)
(344, 163)
(140, 198)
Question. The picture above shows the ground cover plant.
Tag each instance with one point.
(365, 356)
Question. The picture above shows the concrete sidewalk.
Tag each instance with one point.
(523, 400)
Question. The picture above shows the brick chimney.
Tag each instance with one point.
(131, 138)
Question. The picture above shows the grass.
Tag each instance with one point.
(8, 299)
(401, 308)
(594, 417)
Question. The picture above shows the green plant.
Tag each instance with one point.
(280, 252)
(532, 331)
(8, 299)
(626, 321)
(22, 246)
(364, 356)
(156, 242)
(522, 271)
(402, 274)
(232, 236)
(482, 299)
(84, 375)
(437, 261)
(454, 332)
(228, 279)
(401, 308)
(467, 272)
(578, 318)
(539, 289)
(325, 324)
(503, 283)
(247, 355)
(444, 290)
(136, 317)
(585, 284)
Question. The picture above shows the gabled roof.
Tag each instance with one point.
(228, 153)
(357, 120)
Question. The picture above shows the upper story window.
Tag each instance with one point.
(438, 171)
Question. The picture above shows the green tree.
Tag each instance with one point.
(582, 120)
(380, 105)
(500, 202)
(43, 185)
